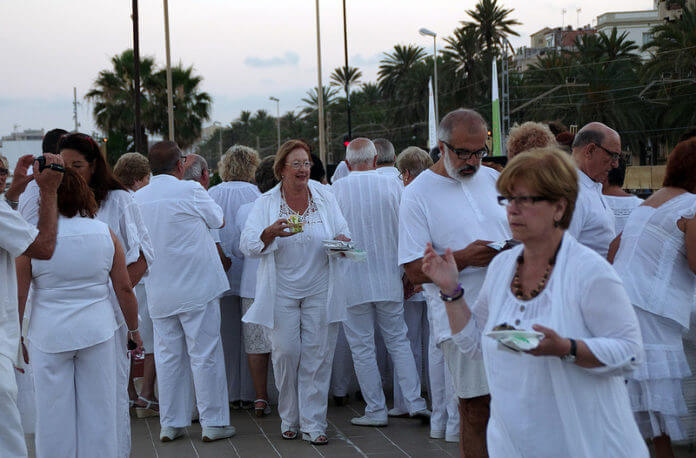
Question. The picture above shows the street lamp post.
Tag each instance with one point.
(320, 92)
(219, 129)
(170, 97)
(428, 33)
(277, 101)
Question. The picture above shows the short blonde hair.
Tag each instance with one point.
(527, 136)
(239, 164)
(131, 167)
(414, 160)
(549, 172)
(283, 152)
(5, 163)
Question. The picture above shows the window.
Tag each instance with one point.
(647, 37)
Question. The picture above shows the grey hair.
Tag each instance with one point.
(414, 160)
(465, 116)
(194, 171)
(360, 151)
(385, 151)
(239, 164)
(587, 135)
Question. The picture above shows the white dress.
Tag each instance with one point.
(622, 206)
(653, 265)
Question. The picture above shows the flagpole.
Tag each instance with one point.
(495, 110)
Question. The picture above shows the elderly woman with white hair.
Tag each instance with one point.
(236, 167)
(299, 293)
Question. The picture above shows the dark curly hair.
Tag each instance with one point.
(75, 197)
(103, 180)
(681, 166)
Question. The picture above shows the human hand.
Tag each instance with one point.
(442, 270)
(137, 340)
(49, 179)
(342, 238)
(551, 345)
(478, 253)
(20, 177)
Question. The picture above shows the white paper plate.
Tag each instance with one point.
(338, 245)
(517, 339)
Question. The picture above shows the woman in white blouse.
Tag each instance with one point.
(567, 397)
(72, 327)
(656, 260)
(119, 211)
(298, 289)
(236, 167)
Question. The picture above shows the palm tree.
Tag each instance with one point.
(674, 47)
(340, 76)
(493, 24)
(463, 51)
(397, 65)
(312, 99)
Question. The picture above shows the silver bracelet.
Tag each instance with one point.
(132, 331)
(12, 203)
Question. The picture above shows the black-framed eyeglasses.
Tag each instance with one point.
(521, 201)
(4, 172)
(614, 156)
(465, 154)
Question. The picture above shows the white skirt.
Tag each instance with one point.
(655, 388)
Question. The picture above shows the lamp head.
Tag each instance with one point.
(425, 32)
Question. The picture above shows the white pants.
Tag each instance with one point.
(123, 427)
(303, 347)
(11, 434)
(189, 343)
(359, 327)
(343, 380)
(76, 402)
(445, 403)
(416, 320)
(239, 382)
(144, 320)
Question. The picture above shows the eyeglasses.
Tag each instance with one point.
(521, 201)
(4, 172)
(465, 154)
(297, 165)
(614, 156)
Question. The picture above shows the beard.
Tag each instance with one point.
(456, 173)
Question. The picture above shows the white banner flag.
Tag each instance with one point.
(432, 127)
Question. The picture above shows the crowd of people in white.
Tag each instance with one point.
(208, 287)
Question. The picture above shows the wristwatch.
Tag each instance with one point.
(572, 354)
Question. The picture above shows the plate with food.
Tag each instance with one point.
(337, 245)
(515, 339)
(296, 224)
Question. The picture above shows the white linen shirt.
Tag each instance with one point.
(247, 286)
(542, 406)
(391, 172)
(29, 203)
(264, 213)
(186, 273)
(593, 220)
(231, 195)
(15, 237)
(370, 204)
(71, 291)
(450, 214)
(340, 172)
(622, 206)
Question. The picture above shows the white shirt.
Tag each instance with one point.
(340, 172)
(622, 206)
(652, 260)
(542, 406)
(71, 307)
(450, 214)
(593, 220)
(15, 237)
(29, 203)
(186, 273)
(247, 286)
(231, 195)
(370, 204)
(391, 172)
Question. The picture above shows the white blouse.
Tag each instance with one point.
(652, 260)
(247, 286)
(71, 307)
(230, 196)
(542, 406)
(622, 206)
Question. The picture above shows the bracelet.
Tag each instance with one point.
(12, 203)
(458, 293)
(133, 331)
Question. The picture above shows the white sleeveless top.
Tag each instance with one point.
(71, 307)
(652, 261)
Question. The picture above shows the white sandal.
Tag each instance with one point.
(316, 438)
(262, 411)
(147, 411)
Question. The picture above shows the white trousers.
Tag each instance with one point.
(303, 347)
(11, 434)
(239, 382)
(189, 343)
(76, 402)
(416, 320)
(445, 403)
(123, 427)
(360, 328)
(343, 380)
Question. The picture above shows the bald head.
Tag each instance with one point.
(460, 122)
(361, 154)
(196, 169)
(595, 150)
(164, 159)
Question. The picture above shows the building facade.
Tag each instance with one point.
(637, 24)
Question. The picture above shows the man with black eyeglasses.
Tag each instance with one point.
(596, 151)
(454, 203)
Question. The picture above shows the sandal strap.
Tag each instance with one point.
(265, 402)
(149, 402)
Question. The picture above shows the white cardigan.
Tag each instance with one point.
(265, 212)
(587, 303)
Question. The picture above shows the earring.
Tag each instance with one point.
(556, 223)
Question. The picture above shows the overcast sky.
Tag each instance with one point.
(246, 50)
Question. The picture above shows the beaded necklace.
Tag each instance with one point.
(516, 285)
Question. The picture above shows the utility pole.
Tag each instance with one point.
(77, 124)
(277, 101)
(345, 52)
(170, 98)
(320, 92)
(328, 137)
(137, 137)
(577, 11)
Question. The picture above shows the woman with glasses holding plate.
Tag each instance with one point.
(564, 394)
(298, 293)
